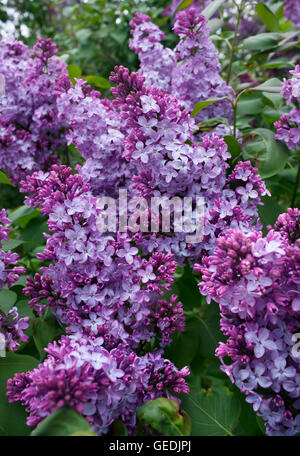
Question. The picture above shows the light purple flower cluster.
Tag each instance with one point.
(197, 75)
(190, 72)
(97, 283)
(143, 142)
(166, 161)
(102, 385)
(248, 25)
(256, 281)
(111, 300)
(11, 325)
(30, 132)
(95, 128)
(292, 11)
(157, 62)
(288, 126)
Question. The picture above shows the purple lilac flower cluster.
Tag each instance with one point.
(288, 126)
(255, 280)
(102, 385)
(190, 72)
(95, 128)
(143, 142)
(11, 325)
(249, 24)
(197, 74)
(30, 132)
(97, 283)
(292, 12)
(166, 160)
(157, 62)
(111, 300)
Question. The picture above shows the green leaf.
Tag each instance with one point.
(64, 422)
(233, 146)
(68, 11)
(215, 24)
(34, 231)
(270, 115)
(202, 104)
(98, 81)
(261, 424)
(213, 413)
(248, 420)
(7, 299)
(270, 155)
(83, 35)
(187, 290)
(262, 41)
(45, 329)
(22, 215)
(274, 98)
(164, 416)
(209, 331)
(185, 345)
(11, 244)
(74, 72)
(21, 282)
(4, 179)
(13, 416)
(272, 85)
(250, 103)
(269, 212)
(119, 36)
(210, 10)
(209, 124)
(24, 309)
(184, 4)
(277, 63)
(267, 16)
(118, 428)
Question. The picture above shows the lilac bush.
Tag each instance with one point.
(101, 384)
(31, 135)
(117, 320)
(255, 280)
(95, 129)
(111, 301)
(143, 142)
(98, 283)
(190, 72)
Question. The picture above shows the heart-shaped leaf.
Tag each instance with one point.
(213, 413)
(64, 422)
(164, 416)
(270, 156)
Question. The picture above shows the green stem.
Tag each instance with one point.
(296, 187)
(234, 117)
(233, 46)
(234, 107)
